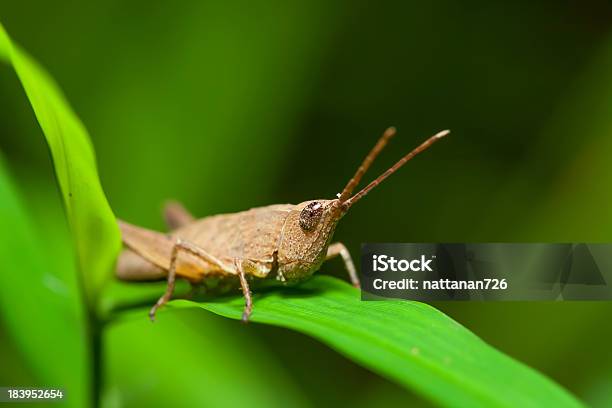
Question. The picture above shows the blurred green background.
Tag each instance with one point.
(230, 105)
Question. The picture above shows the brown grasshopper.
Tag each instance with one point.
(283, 243)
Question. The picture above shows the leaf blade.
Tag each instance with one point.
(408, 342)
(91, 220)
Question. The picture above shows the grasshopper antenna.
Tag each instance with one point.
(366, 163)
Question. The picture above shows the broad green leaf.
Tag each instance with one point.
(40, 305)
(89, 215)
(408, 342)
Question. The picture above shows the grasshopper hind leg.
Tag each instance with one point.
(133, 267)
(176, 216)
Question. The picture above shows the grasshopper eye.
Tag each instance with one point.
(310, 215)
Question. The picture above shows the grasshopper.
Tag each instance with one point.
(281, 243)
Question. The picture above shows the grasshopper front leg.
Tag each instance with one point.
(181, 245)
(338, 248)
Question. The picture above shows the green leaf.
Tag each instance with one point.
(408, 342)
(40, 305)
(91, 220)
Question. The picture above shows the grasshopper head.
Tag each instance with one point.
(305, 237)
(310, 225)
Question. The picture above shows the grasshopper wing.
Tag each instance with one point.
(156, 248)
